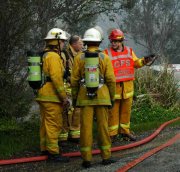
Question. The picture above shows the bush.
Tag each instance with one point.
(16, 97)
(156, 96)
(161, 86)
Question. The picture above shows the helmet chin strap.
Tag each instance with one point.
(59, 47)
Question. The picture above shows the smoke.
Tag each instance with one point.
(100, 30)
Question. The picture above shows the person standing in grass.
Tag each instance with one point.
(93, 67)
(52, 97)
(124, 61)
(71, 123)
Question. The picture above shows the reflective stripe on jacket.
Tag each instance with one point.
(104, 94)
(52, 91)
(123, 64)
(125, 89)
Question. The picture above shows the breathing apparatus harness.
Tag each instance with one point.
(36, 76)
(68, 55)
(92, 79)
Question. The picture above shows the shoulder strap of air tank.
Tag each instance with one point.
(100, 54)
(44, 53)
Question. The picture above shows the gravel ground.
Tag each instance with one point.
(167, 160)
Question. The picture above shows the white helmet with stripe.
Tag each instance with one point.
(56, 33)
(92, 35)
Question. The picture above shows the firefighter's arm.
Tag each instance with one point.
(138, 63)
(110, 78)
(56, 72)
(75, 77)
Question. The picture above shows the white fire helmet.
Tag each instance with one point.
(56, 33)
(92, 35)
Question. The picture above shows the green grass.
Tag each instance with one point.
(25, 137)
(17, 138)
(147, 115)
(161, 104)
(153, 114)
(139, 128)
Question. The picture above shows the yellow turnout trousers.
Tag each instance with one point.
(63, 135)
(71, 121)
(119, 117)
(74, 123)
(71, 125)
(86, 135)
(51, 124)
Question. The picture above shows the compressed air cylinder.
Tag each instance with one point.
(91, 70)
(34, 71)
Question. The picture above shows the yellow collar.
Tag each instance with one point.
(93, 48)
(74, 53)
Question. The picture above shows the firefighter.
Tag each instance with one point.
(52, 96)
(124, 61)
(93, 90)
(71, 124)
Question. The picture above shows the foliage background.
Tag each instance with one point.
(155, 25)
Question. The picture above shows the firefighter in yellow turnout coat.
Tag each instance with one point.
(93, 105)
(71, 124)
(52, 96)
(124, 61)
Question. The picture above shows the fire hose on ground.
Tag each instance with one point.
(94, 152)
(133, 163)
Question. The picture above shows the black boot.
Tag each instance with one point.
(108, 161)
(114, 138)
(128, 137)
(58, 158)
(44, 152)
(74, 140)
(86, 164)
(63, 143)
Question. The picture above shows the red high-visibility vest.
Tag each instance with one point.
(123, 63)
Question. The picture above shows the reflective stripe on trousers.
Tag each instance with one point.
(74, 134)
(74, 123)
(51, 124)
(119, 117)
(63, 136)
(86, 135)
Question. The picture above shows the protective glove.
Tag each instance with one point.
(149, 58)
